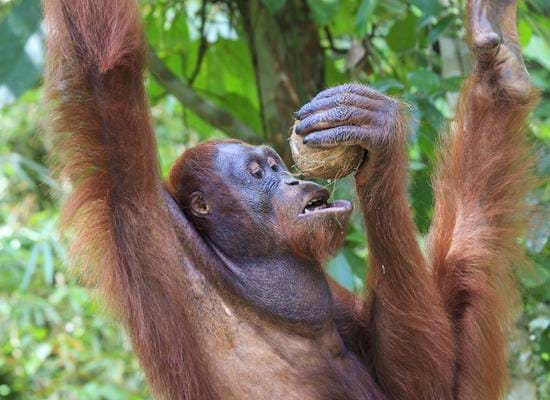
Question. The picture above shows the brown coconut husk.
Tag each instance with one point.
(327, 163)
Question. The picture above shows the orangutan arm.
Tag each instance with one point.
(480, 190)
(105, 148)
(401, 330)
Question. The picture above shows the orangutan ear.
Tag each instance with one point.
(199, 205)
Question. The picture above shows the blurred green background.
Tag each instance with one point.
(239, 69)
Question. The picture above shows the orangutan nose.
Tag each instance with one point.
(291, 181)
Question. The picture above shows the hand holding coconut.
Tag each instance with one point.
(337, 129)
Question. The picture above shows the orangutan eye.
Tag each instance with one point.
(272, 164)
(256, 169)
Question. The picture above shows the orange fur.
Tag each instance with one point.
(480, 190)
(403, 332)
(106, 150)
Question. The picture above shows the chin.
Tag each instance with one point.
(319, 235)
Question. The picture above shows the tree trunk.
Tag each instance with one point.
(288, 61)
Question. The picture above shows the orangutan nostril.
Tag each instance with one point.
(291, 181)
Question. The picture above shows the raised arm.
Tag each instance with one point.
(480, 199)
(401, 330)
(105, 148)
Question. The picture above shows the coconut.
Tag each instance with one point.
(328, 163)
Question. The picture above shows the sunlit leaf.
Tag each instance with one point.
(538, 50)
(47, 263)
(525, 31)
(31, 266)
(22, 49)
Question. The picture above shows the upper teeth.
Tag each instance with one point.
(316, 204)
(314, 201)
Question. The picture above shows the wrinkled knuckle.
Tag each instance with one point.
(343, 99)
(338, 131)
(362, 134)
(312, 139)
(359, 116)
(349, 86)
(358, 86)
(333, 115)
(308, 107)
(340, 89)
(326, 138)
(305, 124)
(339, 114)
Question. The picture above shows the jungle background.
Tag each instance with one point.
(239, 68)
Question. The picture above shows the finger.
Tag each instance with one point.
(332, 118)
(341, 99)
(477, 17)
(486, 47)
(340, 135)
(355, 88)
(482, 36)
(497, 16)
(487, 42)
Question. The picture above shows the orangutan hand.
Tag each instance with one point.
(351, 114)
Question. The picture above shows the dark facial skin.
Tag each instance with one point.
(257, 219)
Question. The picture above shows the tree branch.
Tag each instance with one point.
(204, 108)
(203, 45)
(328, 33)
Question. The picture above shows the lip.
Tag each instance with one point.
(336, 207)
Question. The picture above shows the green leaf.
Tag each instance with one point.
(340, 270)
(356, 237)
(384, 85)
(22, 49)
(422, 199)
(47, 263)
(424, 80)
(538, 50)
(525, 31)
(432, 116)
(323, 11)
(451, 84)
(402, 35)
(396, 8)
(356, 263)
(428, 7)
(273, 5)
(439, 28)
(31, 266)
(364, 15)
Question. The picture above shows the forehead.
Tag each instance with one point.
(231, 153)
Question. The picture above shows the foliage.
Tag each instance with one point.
(55, 341)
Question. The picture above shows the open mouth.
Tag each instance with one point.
(318, 203)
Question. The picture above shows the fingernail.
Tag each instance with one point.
(305, 141)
